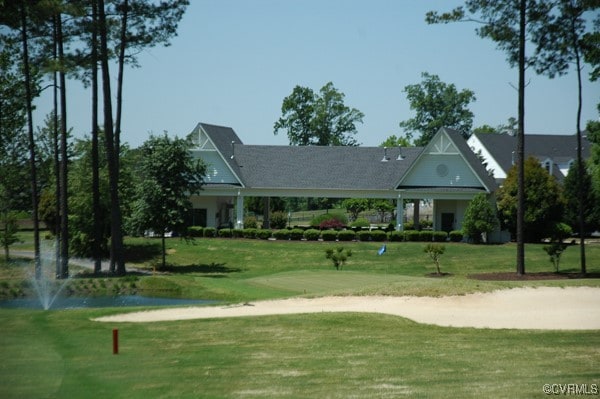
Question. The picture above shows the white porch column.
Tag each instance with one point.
(239, 208)
(400, 214)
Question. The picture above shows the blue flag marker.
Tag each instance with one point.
(381, 250)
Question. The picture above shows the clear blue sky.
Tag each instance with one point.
(234, 61)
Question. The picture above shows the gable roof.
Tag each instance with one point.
(327, 167)
(474, 162)
(225, 141)
(455, 144)
(558, 148)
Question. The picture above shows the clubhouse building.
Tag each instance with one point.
(446, 172)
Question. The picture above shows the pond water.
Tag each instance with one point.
(102, 302)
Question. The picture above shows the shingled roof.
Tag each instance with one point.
(317, 167)
(541, 146)
(326, 167)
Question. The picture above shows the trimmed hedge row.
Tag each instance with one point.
(297, 234)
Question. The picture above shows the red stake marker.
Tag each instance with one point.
(115, 341)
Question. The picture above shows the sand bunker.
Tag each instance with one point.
(573, 308)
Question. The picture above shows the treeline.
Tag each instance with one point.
(55, 41)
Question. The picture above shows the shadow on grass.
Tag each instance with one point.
(212, 268)
(141, 252)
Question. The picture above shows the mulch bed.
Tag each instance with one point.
(512, 276)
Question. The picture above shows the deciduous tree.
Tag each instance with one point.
(168, 175)
(544, 203)
(436, 105)
(480, 218)
(318, 119)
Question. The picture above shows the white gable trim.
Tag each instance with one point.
(204, 143)
(441, 145)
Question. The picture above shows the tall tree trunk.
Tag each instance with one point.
(417, 214)
(55, 149)
(121, 63)
(164, 250)
(521, 144)
(580, 166)
(97, 223)
(266, 212)
(64, 158)
(32, 155)
(116, 248)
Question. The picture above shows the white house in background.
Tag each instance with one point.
(446, 172)
(556, 153)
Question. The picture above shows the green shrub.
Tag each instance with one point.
(237, 233)
(331, 224)
(409, 225)
(282, 234)
(225, 233)
(263, 234)
(364, 235)
(312, 234)
(426, 224)
(249, 233)
(378, 235)
(210, 232)
(296, 234)
(440, 236)
(426, 235)
(561, 231)
(456, 235)
(329, 220)
(329, 235)
(397, 236)
(412, 235)
(360, 222)
(196, 231)
(250, 222)
(346, 235)
(278, 220)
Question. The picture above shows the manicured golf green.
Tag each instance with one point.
(56, 354)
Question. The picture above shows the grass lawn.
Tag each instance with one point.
(64, 354)
(60, 354)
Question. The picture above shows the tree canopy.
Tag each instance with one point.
(318, 118)
(544, 201)
(480, 218)
(395, 141)
(572, 186)
(168, 176)
(437, 104)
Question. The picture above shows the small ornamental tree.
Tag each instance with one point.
(338, 256)
(557, 245)
(355, 206)
(8, 231)
(435, 251)
(480, 217)
(555, 250)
